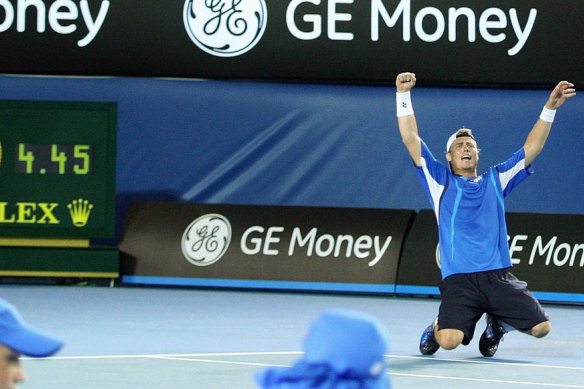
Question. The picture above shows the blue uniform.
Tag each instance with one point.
(470, 212)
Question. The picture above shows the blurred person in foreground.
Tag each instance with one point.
(16, 338)
(343, 349)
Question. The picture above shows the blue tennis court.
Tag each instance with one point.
(135, 337)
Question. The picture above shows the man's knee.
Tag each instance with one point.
(449, 339)
(541, 330)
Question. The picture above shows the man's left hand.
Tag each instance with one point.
(563, 91)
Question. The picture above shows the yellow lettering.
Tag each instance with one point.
(3, 218)
(25, 212)
(28, 213)
(47, 209)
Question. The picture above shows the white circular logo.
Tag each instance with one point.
(437, 254)
(225, 28)
(206, 239)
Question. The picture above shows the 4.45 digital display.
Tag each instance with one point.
(54, 159)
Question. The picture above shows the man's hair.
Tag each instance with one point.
(463, 132)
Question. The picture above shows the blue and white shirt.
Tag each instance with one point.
(470, 212)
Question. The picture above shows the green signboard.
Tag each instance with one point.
(57, 169)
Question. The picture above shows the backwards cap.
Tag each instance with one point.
(17, 335)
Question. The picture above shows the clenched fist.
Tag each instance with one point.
(404, 82)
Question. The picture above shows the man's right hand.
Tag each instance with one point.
(404, 82)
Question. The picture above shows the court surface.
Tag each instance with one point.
(137, 337)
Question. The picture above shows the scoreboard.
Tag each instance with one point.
(57, 169)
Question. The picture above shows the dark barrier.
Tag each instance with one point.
(489, 42)
(311, 248)
(547, 252)
(419, 271)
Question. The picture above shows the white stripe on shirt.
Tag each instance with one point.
(506, 176)
(436, 189)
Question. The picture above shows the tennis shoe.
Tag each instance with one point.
(493, 334)
(428, 343)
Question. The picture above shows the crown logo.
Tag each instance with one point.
(79, 210)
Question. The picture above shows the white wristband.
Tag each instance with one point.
(547, 115)
(403, 103)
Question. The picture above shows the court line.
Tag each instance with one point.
(260, 353)
(193, 358)
(451, 378)
(256, 364)
(123, 356)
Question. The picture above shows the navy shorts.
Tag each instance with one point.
(466, 297)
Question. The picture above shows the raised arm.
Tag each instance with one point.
(540, 131)
(406, 120)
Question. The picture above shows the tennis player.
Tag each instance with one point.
(469, 209)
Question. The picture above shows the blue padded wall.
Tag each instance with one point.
(314, 145)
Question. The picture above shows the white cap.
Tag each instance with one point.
(450, 141)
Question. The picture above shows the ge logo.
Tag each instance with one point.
(206, 239)
(225, 28)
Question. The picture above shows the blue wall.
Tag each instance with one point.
(315, 145)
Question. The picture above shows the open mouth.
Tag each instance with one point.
(466, 157)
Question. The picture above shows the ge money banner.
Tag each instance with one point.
(301, 247)
(490, 43)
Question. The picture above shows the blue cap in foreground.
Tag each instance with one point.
(343, 349)
(17, 335)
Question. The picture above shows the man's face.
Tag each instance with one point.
(464, 156)
(11, 371)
